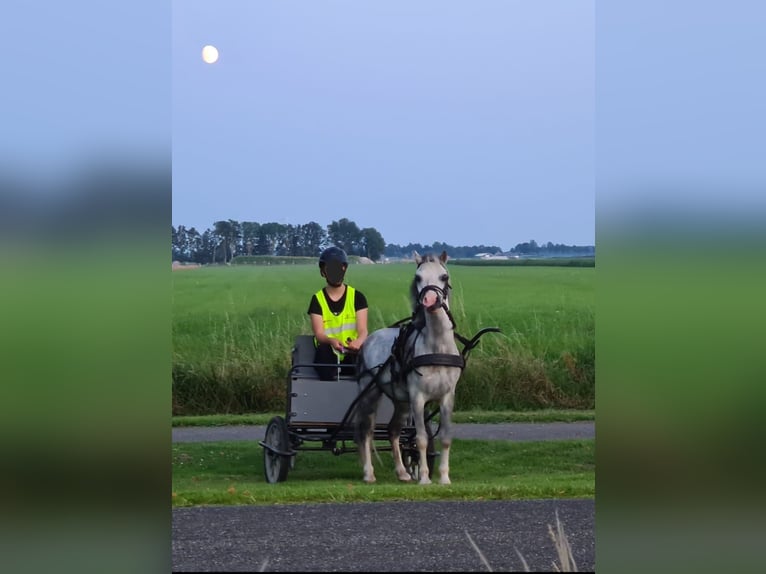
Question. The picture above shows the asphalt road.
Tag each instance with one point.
(500, 431)
(382, 536)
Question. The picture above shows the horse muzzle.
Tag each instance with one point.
(432, 298)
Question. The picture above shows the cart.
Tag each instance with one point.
(319, 417)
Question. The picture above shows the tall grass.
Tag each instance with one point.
(560, 543)
(233, 329)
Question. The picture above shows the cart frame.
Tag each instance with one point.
(319, 417)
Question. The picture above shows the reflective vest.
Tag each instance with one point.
(343, 325)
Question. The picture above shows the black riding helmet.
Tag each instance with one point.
(333, 254)
(333, 263)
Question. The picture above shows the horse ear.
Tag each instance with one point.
(416, 256)
(443, 257)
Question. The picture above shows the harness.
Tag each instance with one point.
(402, 360)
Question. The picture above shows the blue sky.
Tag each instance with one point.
(465, 123)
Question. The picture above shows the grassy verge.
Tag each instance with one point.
(232, 473)
(541, 416)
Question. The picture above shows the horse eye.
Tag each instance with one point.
(444, 277)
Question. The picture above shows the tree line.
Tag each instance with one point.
(230, 238)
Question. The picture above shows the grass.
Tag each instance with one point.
(233, 329)
(476, 416)
(560, 541)
(231, 473)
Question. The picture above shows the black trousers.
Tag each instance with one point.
(325, 355)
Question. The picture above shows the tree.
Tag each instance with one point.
(372, 243)
(206, 251)
(292, 241)
(175, 242)
(346, 235)
(271, 239)
(227, 233)
(194, 245)
(313, 238)
(249, 235)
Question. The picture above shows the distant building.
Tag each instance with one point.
(491, 256)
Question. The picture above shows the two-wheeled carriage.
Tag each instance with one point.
(319, 417)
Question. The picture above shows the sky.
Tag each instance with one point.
(468, 123)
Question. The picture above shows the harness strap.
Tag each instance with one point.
(438, 359)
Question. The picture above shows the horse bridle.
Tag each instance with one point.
(441, 296)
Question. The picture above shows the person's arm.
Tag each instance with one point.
(361, 329)
(317, 325)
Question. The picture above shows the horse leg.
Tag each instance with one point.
(394, 435)
(366, 452)
(364, 432)
(421, 437)
(445, 410)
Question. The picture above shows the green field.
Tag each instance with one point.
(233, 328)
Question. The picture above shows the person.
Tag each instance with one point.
(338, 318)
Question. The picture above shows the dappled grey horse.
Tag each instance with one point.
(412, 365)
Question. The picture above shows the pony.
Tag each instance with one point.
(413, 365)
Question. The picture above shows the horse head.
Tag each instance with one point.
(430, 288)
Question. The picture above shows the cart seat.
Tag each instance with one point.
(303, 359)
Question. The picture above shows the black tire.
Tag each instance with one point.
(411, 457)
(275, 466)
(431, 453)
(431, 456)
(431, 461)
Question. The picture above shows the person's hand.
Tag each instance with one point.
(337, 345)
(352, 346)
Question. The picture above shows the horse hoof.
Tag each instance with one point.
(369, 479)
(425, 481)
(404, 476)
(445, 481)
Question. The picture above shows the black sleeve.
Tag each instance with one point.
(360, 301)
(314, 308)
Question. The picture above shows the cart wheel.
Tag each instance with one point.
(431, 459)
(411, 459)
(431, 454)
(275, 466)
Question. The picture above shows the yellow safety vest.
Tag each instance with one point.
(343, 325)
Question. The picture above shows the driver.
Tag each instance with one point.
(338, 315)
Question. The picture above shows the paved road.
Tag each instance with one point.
(501, 431)
(382, 536)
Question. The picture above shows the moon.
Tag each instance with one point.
(210, 54)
